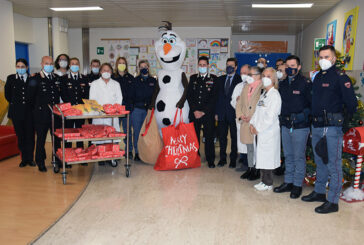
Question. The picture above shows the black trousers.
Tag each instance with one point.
(24, 130)
(74, 124)
(41, 130)
(208, 123)
(222, 128)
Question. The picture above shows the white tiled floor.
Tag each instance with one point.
(197, 206)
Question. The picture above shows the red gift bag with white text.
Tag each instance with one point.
(180, 149)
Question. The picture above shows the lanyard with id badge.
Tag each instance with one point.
(261, 101)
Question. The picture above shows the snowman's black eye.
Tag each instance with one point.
(165, 41)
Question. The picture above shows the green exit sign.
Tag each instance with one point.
(319, 42)
(100, 50)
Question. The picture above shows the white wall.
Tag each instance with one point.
(39, 47)
(7, 42)
(96, 34)
(75, 44)
(290, 38)
(23, 29)
(60, 38)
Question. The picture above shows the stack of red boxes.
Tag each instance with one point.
(93, 152)
(89, 131)
(115, 109)
(67, 110)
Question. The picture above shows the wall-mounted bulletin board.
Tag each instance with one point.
(136, 49)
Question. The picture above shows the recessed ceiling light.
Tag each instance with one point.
(78, 9)
(282, 5)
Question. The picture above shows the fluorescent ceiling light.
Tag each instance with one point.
(282, 5)
(78, 9)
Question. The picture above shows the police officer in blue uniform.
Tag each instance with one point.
(332, 90)
(141, 92)
(295, 93)
(16, 93)
(44, 90)
(74, 88)
(125, 79)
(201, 96)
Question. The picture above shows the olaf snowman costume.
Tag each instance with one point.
(172, 81)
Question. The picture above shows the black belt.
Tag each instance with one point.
(332, 119)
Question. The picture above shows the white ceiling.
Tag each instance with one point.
(144, 13)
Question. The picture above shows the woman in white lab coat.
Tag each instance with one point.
(265, 125)
(106, 91)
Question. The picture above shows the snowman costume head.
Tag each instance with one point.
(172, 82)
(170, 50)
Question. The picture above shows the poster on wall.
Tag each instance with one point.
(136, 49)
(331, 33)
(263, 46)
(349, 34)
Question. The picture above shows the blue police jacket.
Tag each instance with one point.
(142, 91)
(331, 90)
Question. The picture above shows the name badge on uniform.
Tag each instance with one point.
(296, 92)
(210, 82)
(151, 84)
(260, 103)
(325, 85)
(69, 84)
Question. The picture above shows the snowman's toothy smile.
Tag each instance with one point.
(170, 60)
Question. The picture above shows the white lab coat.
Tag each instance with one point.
(106, 93)
(266, 122)
(236, 93)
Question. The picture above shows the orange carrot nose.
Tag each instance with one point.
(167, 47)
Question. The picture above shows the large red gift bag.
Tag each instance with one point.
(180, 149)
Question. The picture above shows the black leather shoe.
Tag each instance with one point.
(314, 197)
(246, 174)
(211, 165)
(285, 187)
(32, 164)
(296, 192)
(221, 163)
(102, 163)
(327, 207)
(22, 164)
(42, 168)
(68, 166)
(136, 157)
(130, 155)
(255, 174)
(232, 164)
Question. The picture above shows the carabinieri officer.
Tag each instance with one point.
(74, 88)
(16, 93)
(44, 90)
(295, 93)
(202, 96)
(331, 91)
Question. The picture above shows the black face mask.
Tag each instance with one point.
(291, 71)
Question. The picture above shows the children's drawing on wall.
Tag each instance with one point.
(331, 33)
(351, 20)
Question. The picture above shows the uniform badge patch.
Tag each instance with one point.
(296, 92)
(325, 85)
(348, 84)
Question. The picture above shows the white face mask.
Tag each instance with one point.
(279, 74)
(244, 77)
(325, 64)
(267, 81)
(63, 64)
(249, 79)
(260, 65)
(106, 75)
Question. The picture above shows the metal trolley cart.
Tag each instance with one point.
(113, 159)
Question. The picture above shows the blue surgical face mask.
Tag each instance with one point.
(144, 71)
(74, 68)
(291, 71)
(230, 70)
(21, 71)
(95, 70)
(202, 70)
(48, 68)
